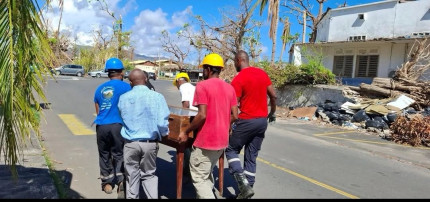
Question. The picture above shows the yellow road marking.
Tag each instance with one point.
(307, 178)
(364, 141)
(75, 125)
(334, 133)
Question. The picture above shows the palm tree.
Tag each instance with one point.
(272, 15)
(24, 58)
(285, 36)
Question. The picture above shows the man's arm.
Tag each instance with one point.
(197, 122)
(272, 96)
(97, 107)
(234, 114)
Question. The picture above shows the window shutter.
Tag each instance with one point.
(348, 66)
(367, 66)
(343, 66)
(373, 66)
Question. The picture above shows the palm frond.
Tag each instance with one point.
(24, 59)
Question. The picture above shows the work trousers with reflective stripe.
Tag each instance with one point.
(140, 166)
(110, 146)
(248, 133)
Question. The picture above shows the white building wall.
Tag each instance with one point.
(378, 22)
(391, 55)
(413, 16)
(146, 68)
(385, 19)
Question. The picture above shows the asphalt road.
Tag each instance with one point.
(298, 160)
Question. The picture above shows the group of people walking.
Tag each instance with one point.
(132, 120)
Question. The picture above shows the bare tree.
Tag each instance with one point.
(171, 45)
(300, 6)
(228, 38)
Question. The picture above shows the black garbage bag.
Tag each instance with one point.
(391, 117)
(331, 107)
(377, 122)
(360, 116)
(320, 109)
(337, 122)
(332, 115)
(345, 117)
(410, 110)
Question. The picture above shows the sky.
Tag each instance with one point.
(146, 19)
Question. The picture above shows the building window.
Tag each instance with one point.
(367, 66)
(342, 66)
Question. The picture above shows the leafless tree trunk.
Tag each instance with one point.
(300, 6)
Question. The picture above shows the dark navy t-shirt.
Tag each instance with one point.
(107, 96)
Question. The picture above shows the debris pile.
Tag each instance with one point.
(408, 79)
(393, 119)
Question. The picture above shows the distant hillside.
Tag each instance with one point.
(144, 57)
(135, 57)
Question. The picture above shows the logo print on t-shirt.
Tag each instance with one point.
(107, 93)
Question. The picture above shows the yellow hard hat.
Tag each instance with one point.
(181, 75)
(214, 60)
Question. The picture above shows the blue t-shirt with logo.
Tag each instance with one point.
(107, 96)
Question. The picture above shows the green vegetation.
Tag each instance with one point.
(313, 72)
(24, 44)
(58, 182)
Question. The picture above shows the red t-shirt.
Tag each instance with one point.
(219, 97)
(251, 87)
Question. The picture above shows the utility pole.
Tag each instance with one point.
(304, 27)
(159, 66)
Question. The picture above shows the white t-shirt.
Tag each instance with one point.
(187, 93)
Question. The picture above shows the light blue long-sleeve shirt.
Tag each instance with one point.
(145, 114)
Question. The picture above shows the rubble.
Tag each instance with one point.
(373, 115)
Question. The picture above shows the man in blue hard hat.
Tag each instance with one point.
(108, 127)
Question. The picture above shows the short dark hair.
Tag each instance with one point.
(214, 69)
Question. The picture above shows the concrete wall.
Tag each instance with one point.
(383, 19)
(392, 54)
(302, 95)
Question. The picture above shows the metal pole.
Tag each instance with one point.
(304, 27)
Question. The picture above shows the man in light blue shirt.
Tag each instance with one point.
(145, 115)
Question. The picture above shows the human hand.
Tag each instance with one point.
(271, 117)
(182, 137)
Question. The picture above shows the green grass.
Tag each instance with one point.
(59, 185)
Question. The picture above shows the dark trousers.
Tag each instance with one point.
(110, 146)
(249, 134)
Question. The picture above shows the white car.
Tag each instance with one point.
(98, 73)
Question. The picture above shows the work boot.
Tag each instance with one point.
(245, 189)
(107, 188)
(120, 191)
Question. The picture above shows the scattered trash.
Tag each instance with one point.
(308, 112)
(401, 102)
(360, 116)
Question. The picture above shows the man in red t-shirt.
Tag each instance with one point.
(252, 85)
(217, 109)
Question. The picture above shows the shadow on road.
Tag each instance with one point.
(31, 183)
(166, 172)
(66, 179)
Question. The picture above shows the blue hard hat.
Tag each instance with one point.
(113, 64)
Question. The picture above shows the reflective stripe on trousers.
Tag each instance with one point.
(249, 134)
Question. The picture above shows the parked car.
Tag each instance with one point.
(152, 76)
(77, 70)
(98, 73)
(126, 73)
